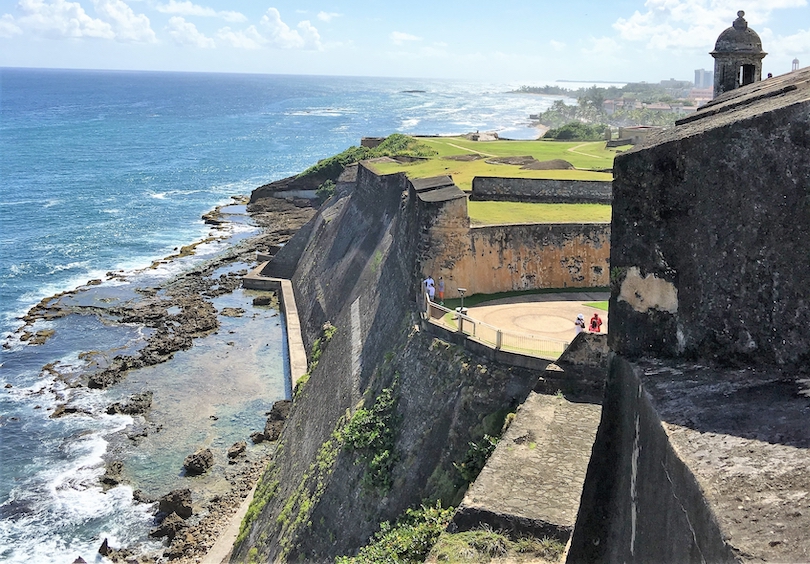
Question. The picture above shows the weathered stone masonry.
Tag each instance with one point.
(540, 190)
(703, 449)
(503, 258)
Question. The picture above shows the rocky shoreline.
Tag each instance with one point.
(174, 314)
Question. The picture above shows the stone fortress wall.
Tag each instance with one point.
(502, 258)
(703, 448)
(541, 190)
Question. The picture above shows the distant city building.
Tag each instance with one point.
(737, 56)
(610, 106)
(701, 96)
(795, 65)
(704, 79)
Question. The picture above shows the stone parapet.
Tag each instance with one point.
(531, 483)
(696, 464)
(540, 190)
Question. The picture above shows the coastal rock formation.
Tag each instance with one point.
(112, 475)
(257, 437)
(237, 449)
(137, 404)
(169, 527)
(176, 501)
(275, 420)
(198, 462)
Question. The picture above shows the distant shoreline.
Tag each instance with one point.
(596, 81)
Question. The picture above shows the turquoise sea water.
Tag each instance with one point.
(103, 171)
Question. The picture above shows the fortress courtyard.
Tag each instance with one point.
(549, 316)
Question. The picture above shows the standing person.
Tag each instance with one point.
(580, 323)
(431, 292)
(441, 290)
(427, 283)
(596, 324)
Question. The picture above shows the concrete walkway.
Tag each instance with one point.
(286, 299)
(542, 315)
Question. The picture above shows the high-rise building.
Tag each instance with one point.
(704, 78)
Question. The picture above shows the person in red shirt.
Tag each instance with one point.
(595, 325)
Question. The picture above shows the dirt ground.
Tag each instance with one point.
(543, 315)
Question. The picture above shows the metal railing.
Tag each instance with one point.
(499, 339)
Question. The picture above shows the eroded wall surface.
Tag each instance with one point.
(504, 258)
(711, 233)
(702, 451)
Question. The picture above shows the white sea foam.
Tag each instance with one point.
(320, 112)
(66, 503)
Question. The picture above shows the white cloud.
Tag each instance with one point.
(186, 33)
(279, 34)
(692, 24)
(328, 16)
(186, 8)
(399, 38)
(60, 19)
(433, 52)
(249, 38)
(557, 45)
(601, 46)
(126, 25)
(7, 26)
(797, 43)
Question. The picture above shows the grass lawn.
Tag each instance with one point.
(583, 155)
(475, 299)
(598, 305)
(504, 213)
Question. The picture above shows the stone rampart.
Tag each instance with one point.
(711, 232)
(703, 451)
(359, 270)
(502, 258)
(640, 502)
(541, 190)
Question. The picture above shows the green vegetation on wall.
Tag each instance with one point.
(371, 433)
(315, 356)
(265, 491)
(407, 541)
(325, 190)
(476, 457)
(298, 508)
(484, 545)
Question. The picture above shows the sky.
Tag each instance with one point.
(511, 41)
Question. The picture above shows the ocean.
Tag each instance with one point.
(105, 172)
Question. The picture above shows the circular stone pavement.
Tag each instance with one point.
(543, 315)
